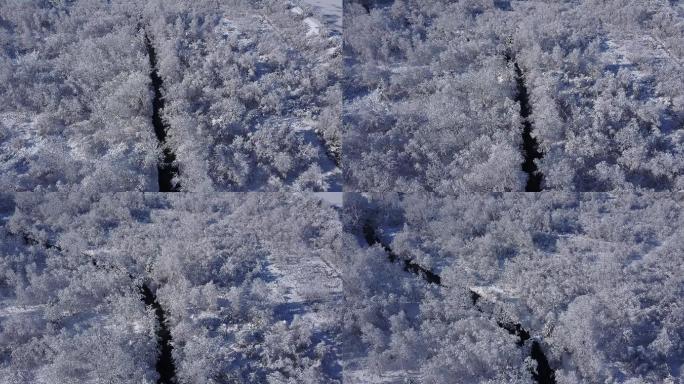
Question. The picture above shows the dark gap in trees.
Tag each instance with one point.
(370, 4)
(515, 329)
(530, 145)
(409, 266)
(165, 365)
(29, 240)
(333, 153)
(166, 169)
(544, 373)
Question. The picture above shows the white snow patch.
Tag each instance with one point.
(332, 51)
(138, 327)
(387, 234)
(366, 375)
(330, 10)
(493, 293)
(302, 126)
(300, 282)
(334, 198)
(13, 310)
(314, 26)
(506, 304)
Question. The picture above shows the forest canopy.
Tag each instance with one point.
(241, 96)
(578, 288)
(243, 297)
(481, 96)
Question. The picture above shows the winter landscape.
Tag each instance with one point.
(334, 191)
(497, 95)
(169, 288)
(384, 288)
(514, 288)
(230, 95)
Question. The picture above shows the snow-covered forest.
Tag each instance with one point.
(498, 95)
(154, 95)
(131, 288)
(341, 191)
(386, 288)
(514, 288)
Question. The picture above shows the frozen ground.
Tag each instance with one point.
(334, 198)
(304, 286)
(331, 10)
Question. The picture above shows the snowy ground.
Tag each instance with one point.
(331, 10)
(334, 198)
(28, 154)
(303, 286)
(627, 51)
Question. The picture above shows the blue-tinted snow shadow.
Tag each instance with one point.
(287, 311)
(545, 241)
(615, 68)
(7, 205)
(331, 364)
(265, 275)
(324, 159)
(504, 5)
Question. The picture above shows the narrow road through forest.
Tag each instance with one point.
(166, 169)
(544, 374)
